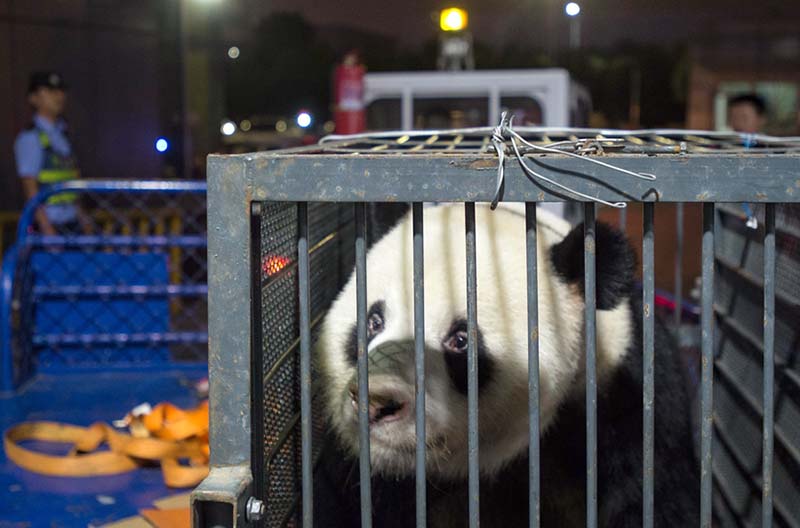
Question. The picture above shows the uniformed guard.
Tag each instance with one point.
(44, 154)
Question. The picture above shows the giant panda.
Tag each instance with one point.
(503, 382)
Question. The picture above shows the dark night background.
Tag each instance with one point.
(123, 62)
(143, 71)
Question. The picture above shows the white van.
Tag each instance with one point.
(446, 99)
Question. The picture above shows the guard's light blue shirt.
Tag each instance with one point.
(29, 154)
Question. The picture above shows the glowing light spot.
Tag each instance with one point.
(272, 264)
(162, 144)
(228, 128)
(303, 119)
(233, 52)
(453, 19)
(572, 9)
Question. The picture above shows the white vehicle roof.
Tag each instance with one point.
(551, 88)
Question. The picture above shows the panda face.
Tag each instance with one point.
(502, 342)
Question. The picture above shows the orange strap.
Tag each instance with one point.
(166, 434)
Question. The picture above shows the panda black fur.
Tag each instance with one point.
(502, 347)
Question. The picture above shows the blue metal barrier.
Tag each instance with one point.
(7, 372)
(127, 289)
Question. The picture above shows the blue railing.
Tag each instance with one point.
(113, 294)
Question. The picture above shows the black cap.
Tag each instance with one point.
(47, 79)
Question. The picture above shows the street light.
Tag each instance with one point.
(303, 119)
(453, 19)
(572, 9)
(228, 128)
(455, 41)
(183, 8)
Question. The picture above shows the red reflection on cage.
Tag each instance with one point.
(272, 264)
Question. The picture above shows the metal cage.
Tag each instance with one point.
(287, 227)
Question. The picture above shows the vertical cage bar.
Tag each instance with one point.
(623, 219)
(472, 365)
(678, 266)
(419, 358)
(648, 364)
(769, 364)
(533, 366)
(304, 283)
(363, 383)
(256, 354)
(707, 315)
(589, 249)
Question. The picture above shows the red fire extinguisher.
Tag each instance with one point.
(348, 91)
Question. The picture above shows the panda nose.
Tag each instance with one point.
(384, 406)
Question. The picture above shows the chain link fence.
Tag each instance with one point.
(122, 283)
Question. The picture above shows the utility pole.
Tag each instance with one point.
(573, 10)
(186, 139)
(455, 41)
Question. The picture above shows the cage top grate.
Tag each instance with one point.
(583, 141)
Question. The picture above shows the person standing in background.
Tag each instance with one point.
(747, 113)
(44, 154)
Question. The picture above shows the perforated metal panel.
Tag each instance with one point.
(738, 405)
(331, 261)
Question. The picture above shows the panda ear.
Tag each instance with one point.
(615, 263)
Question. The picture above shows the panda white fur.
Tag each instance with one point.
(503, 381)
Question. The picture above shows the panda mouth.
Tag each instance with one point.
(382, 410)
(392, 411)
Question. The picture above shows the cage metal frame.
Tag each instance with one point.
(346, 171)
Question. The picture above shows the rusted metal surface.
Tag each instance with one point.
(438, 177)
(229, 312)
(577, 140)
(221, 499)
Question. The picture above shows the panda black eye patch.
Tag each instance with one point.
(376, 322)
(455, 347)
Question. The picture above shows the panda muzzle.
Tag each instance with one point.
(390, 389)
